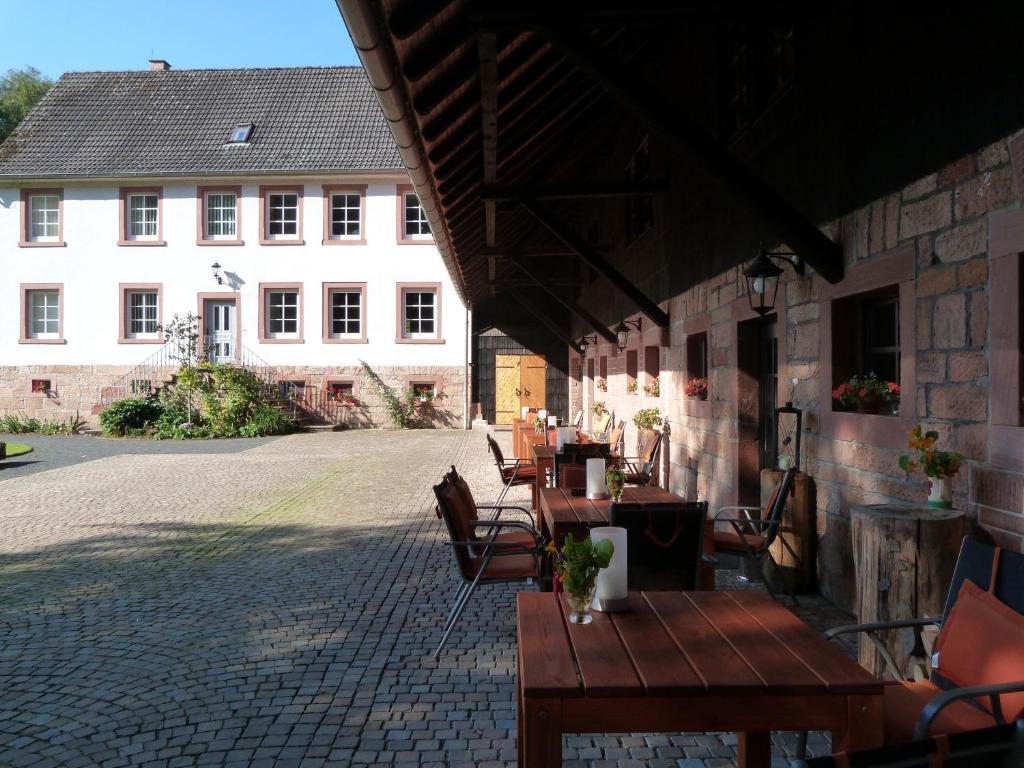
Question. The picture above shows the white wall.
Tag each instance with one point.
(92, 265)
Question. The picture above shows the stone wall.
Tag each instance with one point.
(78, 389)
(938, 239)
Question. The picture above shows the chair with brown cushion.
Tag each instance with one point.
(977, 676)
(749, 532)
(573, 476)
(998, 746)
(486, 551)
(665, 544)
(600, 430)
(615, 444)
(576, 454)
(640, 469)
(512, 473)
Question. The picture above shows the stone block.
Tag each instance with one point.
(935, 281)
(962, 242)
(921, 187)
(967, 366)
(960, 401)
(876, 230)
(978, 308)
(986, 192)
(956, 171)
(924, 323)
(892, 221)
(925, 215)
(992, 155)
(972, 273)
(949, 321)
(931, 367)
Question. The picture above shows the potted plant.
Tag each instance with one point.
(631, 386)
(615, 478)
(599, 408)
(867, 394)
(696, 388)
(647, 418)
(602, 384)
(577, 565)
(539, 425)
(653, 387)
(940, 467)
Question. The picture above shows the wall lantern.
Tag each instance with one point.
(216, 273)
(763, 278)
(587, 341)
(622, 331)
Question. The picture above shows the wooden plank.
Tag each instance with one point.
(781, 670)
(663, 670)
(825, 659)
(488, 49)
(719, 666)
(591, 512)
(605, 667)
(547, 668)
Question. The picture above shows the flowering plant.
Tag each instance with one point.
(538, 424)
(578, 562)
(615, 478)
(602, 384)
(40, 385)
(631, 386)
(933, 463)
(653, 387)
(866, 392)
(599, 408)
(696, 388)
(341, 396)
(647, 418)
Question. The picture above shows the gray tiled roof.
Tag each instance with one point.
(176, 122)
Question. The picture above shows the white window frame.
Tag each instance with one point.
(330, 317)
(208, 234)
(130, 199)
(421, 220)
(270, 195)
(421, 334)
(130, 319)
(48, 309)
(50, 221)
(348, 210)
(269, 304)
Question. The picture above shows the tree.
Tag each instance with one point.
(20, 90)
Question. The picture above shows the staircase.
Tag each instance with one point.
(309, 409)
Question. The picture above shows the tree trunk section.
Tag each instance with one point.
(904, 559)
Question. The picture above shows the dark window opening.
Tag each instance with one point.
(632, 369)
(697, 356)
(866, 337)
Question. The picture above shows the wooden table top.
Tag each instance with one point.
(680, 644)
(543, 451)
(561, 507)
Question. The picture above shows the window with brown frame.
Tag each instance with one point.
(866, 336)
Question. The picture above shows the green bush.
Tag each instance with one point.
(131, 415)
(265, 420)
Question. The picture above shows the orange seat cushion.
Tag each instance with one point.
(526, 473)
(507, 567)
(903, 703)
(982, 643)
(731, 541)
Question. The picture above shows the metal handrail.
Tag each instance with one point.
(159, 365)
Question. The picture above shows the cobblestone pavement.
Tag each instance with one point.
(276, 606)
(53, 451)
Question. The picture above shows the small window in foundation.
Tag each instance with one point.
(41, 386)
(697, 366)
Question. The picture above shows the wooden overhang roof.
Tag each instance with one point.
(481, 97)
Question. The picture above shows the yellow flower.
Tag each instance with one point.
(551, 548)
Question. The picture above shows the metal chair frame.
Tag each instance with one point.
(644, 465)
(502, 463)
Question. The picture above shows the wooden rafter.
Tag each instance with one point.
(488, 47)
(525, 302)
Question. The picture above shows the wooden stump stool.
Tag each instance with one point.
(903, 558)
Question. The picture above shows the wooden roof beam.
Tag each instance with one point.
(487, 46)
(688, 138)
(546, 217)
(577, 191)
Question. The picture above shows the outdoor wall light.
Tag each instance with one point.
(587, 341)
(762, 276)
(216, 273)
(622, 330)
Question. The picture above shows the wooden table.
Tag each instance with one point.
(544, 460)
(686, 661)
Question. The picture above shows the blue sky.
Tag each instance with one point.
(117, 34)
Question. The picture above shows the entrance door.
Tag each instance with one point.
(757, 397)
(219, 330)
(519, 381)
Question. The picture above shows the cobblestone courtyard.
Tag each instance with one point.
(271, 606)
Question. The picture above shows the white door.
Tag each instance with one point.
(220, 331)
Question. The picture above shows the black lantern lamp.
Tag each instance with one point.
(622, 331)
(216, 273)
(586, 341)
(762, 275)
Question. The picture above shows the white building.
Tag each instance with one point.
(271, 202)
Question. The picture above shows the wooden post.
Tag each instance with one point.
(904, 559)
(799, 515)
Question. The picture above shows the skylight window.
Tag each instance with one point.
(240, 133)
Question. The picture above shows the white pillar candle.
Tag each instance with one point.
(564, 435)
(612, 582)
(526, 411)
(597, 486)
(542, 414)
(552, 421)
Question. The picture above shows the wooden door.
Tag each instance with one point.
(532, 376)
(518, 381)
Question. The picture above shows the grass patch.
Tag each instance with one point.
(17, 449)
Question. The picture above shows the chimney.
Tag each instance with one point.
(158, 65)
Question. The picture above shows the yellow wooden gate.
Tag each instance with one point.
(519, 380)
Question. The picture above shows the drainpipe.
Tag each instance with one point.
(379, 60)
(468, 359)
